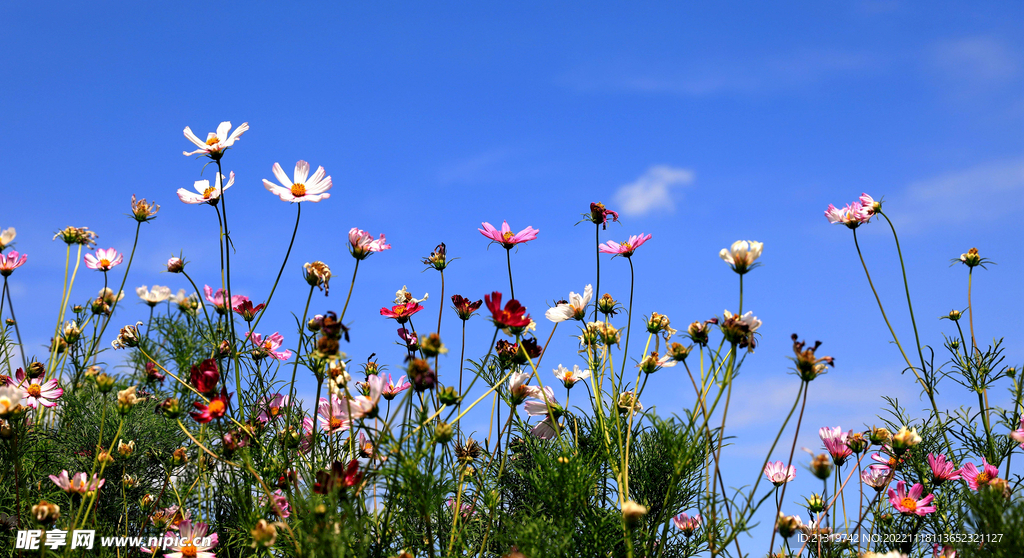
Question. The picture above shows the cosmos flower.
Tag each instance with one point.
(303, 187)
(1018, 434)
(155, 296)
(103, 260)
(216, 142)
(545, 429)
(778, 473)
(911, 503)
(835, 443)
(206, 193)
(79, 483)
(505, 236)
(7, 237)
(464, 308)
(219, 298)
(942, 470)
(518, 389)
(401, 312)
(11, 261)
(362, 244)
(570, 377)
(853, 215)
(574, 309)
(193, 542)
(741, 255)
(270, 408)
(599, 215)
(687, 524)
(269, 346)
(513, 315)
(246, 310)
(974, 478)
(391, 389)
(331, 414)
(215, 409)
(876, 476)
(35, 391)
(205, 376)
(625, 249)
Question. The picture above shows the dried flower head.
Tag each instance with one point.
(317, 274)
(438, 259)
(128, 337)
(77, 235)
(809, 366)
(143, 210)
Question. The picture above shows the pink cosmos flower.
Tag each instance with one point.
(626, 248)
(216, 142)
(466, 508)
(942, 470)
(195, 543)
(10, 262)
(505, 236)
(338, 414)
(1019, 434)
(778, 473)
(269, 346)
(911, 503)
(412, 341)
(220, 297)
(78, 484)
(104, 259)
(853, 215)
(277, 497)
(687, 524)
(976, 478)
(944, 551)
(876, 476)
(206, 193)
(401, 312)
(35, 391)
(887, 458)
(306, 441)
(362, 244)
(392, 389)
(303, 187)
(270, 408)
(869, 204)
(332, 415)
(835, 443)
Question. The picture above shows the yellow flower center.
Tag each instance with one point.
(274, 411)
(399, 310)
(267, 346)
(34, 390)
(208, 192)
(298, 190)
(104, 263)
(983, 478)
(507, 236)
(189, 551)
(336, 423)
(909, 503)
(216, 406)
(625, 246)
(212, 140)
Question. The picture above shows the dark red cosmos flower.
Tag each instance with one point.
(599, 215)
(247, 310)
(401, 312)
(464, 307)
(205, 376)
(152, 373)
(215, 409)
(513, 315)
(339, 476)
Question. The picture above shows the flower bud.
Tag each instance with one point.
(443, 433)
(787, 525)
(77, 309)
(315, 323)
(128, 337)
(449, 396)
(129, 481)
(104, 456)
(821, 466)
(633, 512)
(857, 442)
(432, 345)
(289, 438)
(954, 315)
(264, 534)
(36, 369)
(104, 383)
(815, 504)
(126, 399)
(606, 305)
(125, 450)
(678, 352)
(179, 457)
(971, 258)
(72, 332)
(905, 439)
(147, 501)
(954, 344)
(46, 513)
(175, 265)
(879, 436)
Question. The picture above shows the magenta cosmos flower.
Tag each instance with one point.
(204, 192)
(401, 312)
(271, 407)
(220, 297)
(216, 142)
(193, 541)
(911, 503)
(835, 443)
(1019, 434)
(505, 236)
(269, 347)
(778, 473)
(103, 260)
(976, 478)
(10, 262)
(362, 244)
(853, 215)
(942, 470)
(303, 187)
(626, 248)
(687, 524)
(35, 391)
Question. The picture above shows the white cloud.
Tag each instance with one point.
(652, 190)
(975, 59)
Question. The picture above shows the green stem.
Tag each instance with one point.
(597, 285)
(792, 450)
(349, 297)
(629, 321)
(287, 253)
(295, 368)
(17, 330)
(116, 294)
(508, 257)
(906, 287)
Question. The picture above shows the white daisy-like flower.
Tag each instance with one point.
(6, 237)
(155, 296)
(193, 540)
(741, 255)
(206, 193)
(570, 377)
(575, 309)
(216, 142)
(404, 296)
(303, 187)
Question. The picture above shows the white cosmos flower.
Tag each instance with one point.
(570, 377)
(404, 297)
(6, 237)
(741, 255)
(749, 319)
(575, 309)
(216, 142)
(206, 193)
(155, 296)
(303, 187)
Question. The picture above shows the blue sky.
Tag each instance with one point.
(703, 124)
